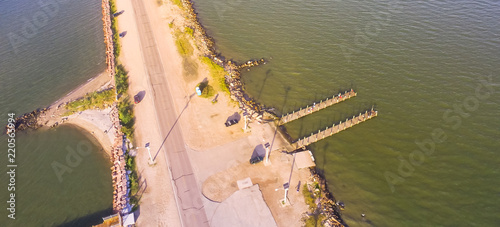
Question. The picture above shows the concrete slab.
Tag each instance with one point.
(245, 183)
(304, 159)
(255, 211)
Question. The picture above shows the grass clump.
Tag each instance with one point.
(183, 45)
(178, 3)
(189, 31)
(308, 197)
(314, 221)
(217, 73)
(92, 100)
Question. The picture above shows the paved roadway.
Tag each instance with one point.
(188, 196)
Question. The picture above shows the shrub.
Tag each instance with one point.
(207, 91)
(217, 73)
(121, 79)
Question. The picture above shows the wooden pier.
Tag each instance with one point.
(317, 107)
(334, 129)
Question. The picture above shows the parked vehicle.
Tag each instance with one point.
(231, 122)
(256, 160)
(137, 99)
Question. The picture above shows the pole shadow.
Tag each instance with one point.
(171, 128)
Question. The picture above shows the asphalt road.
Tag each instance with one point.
(188, 195)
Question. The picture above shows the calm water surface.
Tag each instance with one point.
(418, 63)
(37, 66)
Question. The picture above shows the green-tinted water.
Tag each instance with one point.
(37, 66)
(427, 66)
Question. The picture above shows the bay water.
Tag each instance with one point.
(47, 49)
(429, 67)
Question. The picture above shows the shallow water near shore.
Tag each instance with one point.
(65, 50)
(415, 62)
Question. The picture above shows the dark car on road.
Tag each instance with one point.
(137, 99)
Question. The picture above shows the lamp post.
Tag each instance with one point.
(286, 186)
(268, 150)
(151, 161)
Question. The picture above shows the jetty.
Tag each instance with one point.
(119, 175)
(316, 107)
(108, 37)
(321, 134)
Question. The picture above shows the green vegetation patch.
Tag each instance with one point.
(130, 165)
(126, 116)
(183, 45)
(92, 100)
(189, 31)
(315, 221)
(308, 197)
(121, 80)
(207, 91)
(114, 28)
(178, 3)
(217, 73)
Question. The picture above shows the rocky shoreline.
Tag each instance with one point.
(29, 120)
(205, 43)
(327, 204)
